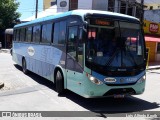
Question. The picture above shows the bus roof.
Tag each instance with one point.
(79, 12)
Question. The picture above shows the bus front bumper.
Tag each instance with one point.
(104, 90)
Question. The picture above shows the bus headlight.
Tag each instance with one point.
(94, 80)
(142, 79)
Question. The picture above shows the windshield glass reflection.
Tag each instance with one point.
(117, 46)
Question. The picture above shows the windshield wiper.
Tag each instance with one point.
(112, 57)
(132, 58)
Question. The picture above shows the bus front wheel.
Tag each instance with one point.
(24, 66)
(59, 82)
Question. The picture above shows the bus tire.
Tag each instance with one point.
(24, 66)
(59, 80)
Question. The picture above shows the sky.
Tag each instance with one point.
(27, 8)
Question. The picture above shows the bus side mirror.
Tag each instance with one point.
(85, 24)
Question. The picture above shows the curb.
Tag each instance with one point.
(1, 85)
(153, 68)
(4, 51)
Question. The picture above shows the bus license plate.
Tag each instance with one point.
(118, 96)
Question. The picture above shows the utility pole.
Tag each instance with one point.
(36, 8)
(142, 11)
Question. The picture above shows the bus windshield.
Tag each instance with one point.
(115, 44)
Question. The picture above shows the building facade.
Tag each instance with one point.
(152, 15)
(129, 7)
(152, 6)
(152, 29)
(48, 3)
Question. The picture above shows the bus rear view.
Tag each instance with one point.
(115, 55)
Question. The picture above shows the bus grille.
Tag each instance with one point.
(120, 91)
(125, 84)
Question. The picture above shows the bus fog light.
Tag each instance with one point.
(142, 79)
(94, 80)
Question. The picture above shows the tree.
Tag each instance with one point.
(8, 13)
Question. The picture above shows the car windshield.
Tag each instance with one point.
(120, 45)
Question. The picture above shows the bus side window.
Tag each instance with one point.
(46, 33)
(62, 33)
(17, 35)
(80, 47)
(56, 34)
(59, 33)
(29, 34)
(22, 34)
(72, 41)
(36, 33)
(15, 31)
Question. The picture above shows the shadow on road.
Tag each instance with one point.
(112, 105)
(98, 105)
(154, 72)
(38, 78)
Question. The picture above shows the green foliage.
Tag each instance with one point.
(8, 13)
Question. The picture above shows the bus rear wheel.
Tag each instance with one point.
(59, 80)
(24, 66)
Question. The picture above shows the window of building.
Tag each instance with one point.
(53, 3)
(151, 8)
(158, 47)
(130, 10)
(73, 4)
(111, 4)
(46, 33)
(59, 33)
(36, 33)
(29, 34)
(123, 7)
(138, 12)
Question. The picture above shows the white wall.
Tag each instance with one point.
(85, 4)
(62, 9)
(152, 15)
(82, 4)
(155, 6)
(100, 5)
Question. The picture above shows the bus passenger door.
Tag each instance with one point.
(74, 58)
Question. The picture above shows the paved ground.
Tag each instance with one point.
(33, 93)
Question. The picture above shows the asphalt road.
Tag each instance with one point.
(34, 93)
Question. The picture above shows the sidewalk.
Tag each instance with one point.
(4, 50)
(153, 65)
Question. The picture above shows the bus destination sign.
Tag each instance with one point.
(101, 22)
